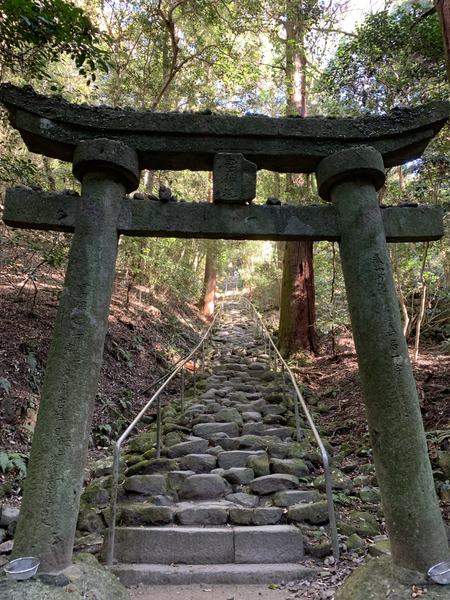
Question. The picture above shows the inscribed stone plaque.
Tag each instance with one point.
(234, 178)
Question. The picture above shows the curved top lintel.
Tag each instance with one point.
(53, 127)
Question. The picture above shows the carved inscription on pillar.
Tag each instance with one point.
(391, 334)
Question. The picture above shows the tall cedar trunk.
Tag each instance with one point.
(443, 13)
(297, 306)
(297, 300)
(210, 286)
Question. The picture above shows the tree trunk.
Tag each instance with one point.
(446, 261)
(443, 13)
(280, 257)
(210, 286)
(400, 293)
(295, 58)
(49, 174)
(297, 309)
(423, 297)
(149, 177)
(297, 305)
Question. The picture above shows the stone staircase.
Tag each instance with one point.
(226, 500)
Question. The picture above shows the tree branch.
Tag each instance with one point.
(424, 16)
(175, 70)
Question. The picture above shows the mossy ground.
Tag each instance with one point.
(85, 578)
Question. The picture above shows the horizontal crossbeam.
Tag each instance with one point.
(53, 127)
(39, 210)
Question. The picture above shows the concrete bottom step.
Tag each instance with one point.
(208, 545)
(212, 574)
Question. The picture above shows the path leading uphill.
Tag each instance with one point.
(231, 500)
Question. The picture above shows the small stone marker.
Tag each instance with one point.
(234, 179)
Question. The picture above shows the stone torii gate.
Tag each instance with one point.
(108, 148)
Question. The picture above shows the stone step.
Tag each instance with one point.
(228, 486)
(206, 545)
(211, 574)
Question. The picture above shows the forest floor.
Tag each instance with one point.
(335, 381)
(145, 335)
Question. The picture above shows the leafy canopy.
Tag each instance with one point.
(394, 57)
(35, 33)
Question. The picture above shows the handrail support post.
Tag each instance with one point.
(182, 390)
(297, 418)
(158, 429)
(195, 375)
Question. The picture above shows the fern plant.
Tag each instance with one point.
(11, 461)
(343, 497)
(5, 385)
(437, 436)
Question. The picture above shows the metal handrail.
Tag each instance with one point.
(298, 395)
(156, 396)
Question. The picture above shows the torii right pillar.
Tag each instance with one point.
(350, 179)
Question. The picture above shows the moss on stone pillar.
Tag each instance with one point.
(48, 516)
(413, 519)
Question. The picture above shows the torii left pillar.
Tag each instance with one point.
(48, 515)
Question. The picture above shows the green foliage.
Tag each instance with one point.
(118, 415)
(137, 346)
(34, 34)
(31, 252)
(34, 255)
(122, 354)
(13, 460)
(394, 57)
(344, 498)
(126, 398)
(29, 429)
(263, 281)
(258, 265)
(51, 247)
(160, 52)
(443, 485)
(166, 264)
(332, 316)
(408, 258)
(32, 362)
(103, 433)
(21, 170)
(437, 436)
(5, 385)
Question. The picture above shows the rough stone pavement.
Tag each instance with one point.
(238, 435)
(203, 592)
